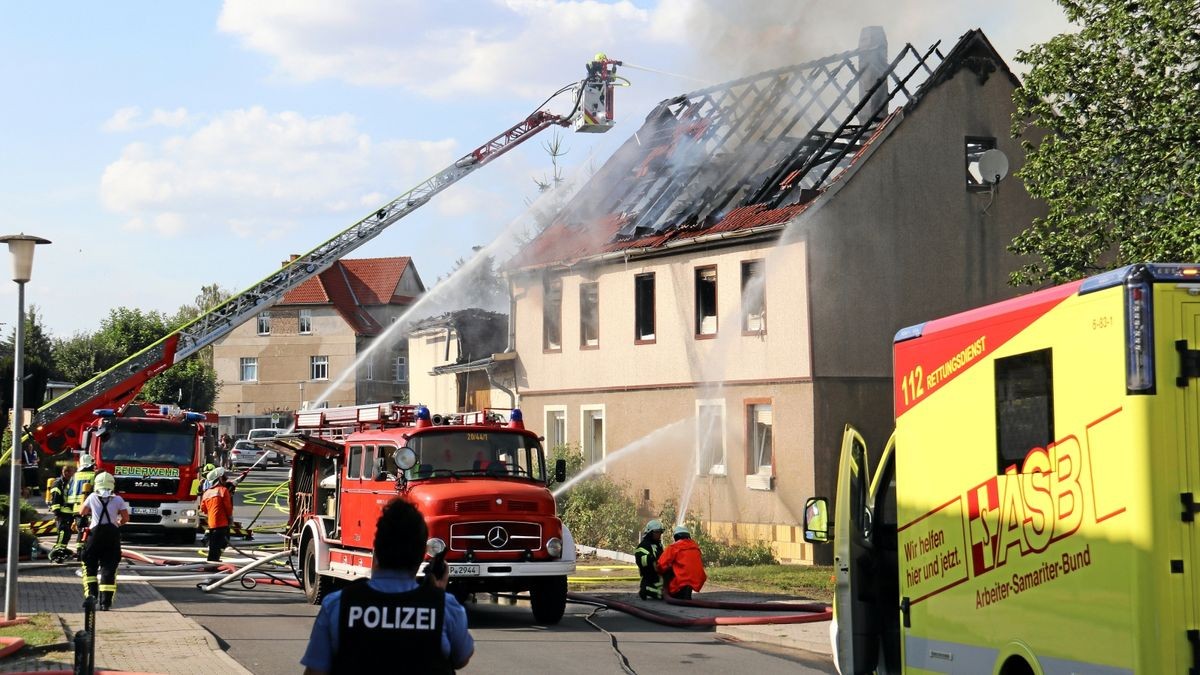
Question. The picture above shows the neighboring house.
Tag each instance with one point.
(720, 299)
(56, 388)
(294, 352)
(460, 362)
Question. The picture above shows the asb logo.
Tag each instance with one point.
(497, 537)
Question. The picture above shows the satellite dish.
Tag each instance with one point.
(993, 166)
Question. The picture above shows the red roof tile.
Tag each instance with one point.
(351, 286)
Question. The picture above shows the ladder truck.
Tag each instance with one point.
(58, 426)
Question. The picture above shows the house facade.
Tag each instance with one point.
(459, 362)
(326, 342)
(721, 298)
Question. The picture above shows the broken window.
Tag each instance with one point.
(589, 315)
(706, 301)
(643, 301)
(264, 323)
(754, 300)
(759, 445)
(975, 147)
(552, 314)
(710, 437)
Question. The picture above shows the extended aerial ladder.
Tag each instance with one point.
(56, 425)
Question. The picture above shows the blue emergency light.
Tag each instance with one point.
(105, 412)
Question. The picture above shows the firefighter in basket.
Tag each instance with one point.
(106, 512)
(64, 514)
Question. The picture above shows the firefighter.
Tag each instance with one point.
(681, 564)
(646, 556)
(217, 503)
(106, 513)
(80, 488)
(64, 515)
(389, 622)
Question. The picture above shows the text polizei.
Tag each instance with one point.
(396, 618)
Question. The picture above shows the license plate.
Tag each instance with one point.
(464, 570)
(145, 511)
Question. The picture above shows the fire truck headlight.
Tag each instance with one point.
(554, 547)
(434, 546)
(189, 513)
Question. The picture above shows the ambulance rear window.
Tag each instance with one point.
(1024, 406)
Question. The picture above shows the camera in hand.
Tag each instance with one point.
(437, 566)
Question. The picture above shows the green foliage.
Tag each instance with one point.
(191, 384)
(28, 512)
(806, 581)
(598, 510)
(38, 367)
(718, 552)
(1119, 166)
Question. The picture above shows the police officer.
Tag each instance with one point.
(380, 624)
(646, 556)
(106, 513)
(80, 488)
(64, 514)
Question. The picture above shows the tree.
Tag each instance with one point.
(1118, 164)
(191, 384)
(37, 369)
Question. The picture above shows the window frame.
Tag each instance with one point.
(750, 407)
(400, 368)
(318, 361)
(369, 370)
(585, 435)
(248, 362)
(552, 288)
(714, 468)
(698, 317)
(973, 149)
(263, 322)
(551, 423)
(304, 322)
(761, 265)
(639, 338)
(589, 313)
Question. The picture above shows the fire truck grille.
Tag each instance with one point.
(147, 486)
(478, 506)
(496, 536)
(522, 507)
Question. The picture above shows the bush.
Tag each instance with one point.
(598, 510)
(718, 552)
(28, 513)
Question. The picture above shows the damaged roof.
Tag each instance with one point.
(479, 332)
(353, 285)
(749, 153)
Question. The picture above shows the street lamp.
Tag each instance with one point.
(21, 247)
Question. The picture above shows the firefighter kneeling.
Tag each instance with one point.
(107, 512)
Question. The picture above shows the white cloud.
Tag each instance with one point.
(257, 173)
(130, 119)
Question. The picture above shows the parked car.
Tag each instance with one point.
(245, 453)
(257, 434)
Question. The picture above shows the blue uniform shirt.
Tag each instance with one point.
(457, 643)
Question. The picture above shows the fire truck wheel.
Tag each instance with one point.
(548, 598)
(316, 586)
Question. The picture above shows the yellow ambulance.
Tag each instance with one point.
(1036, 508)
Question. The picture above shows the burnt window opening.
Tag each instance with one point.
(974, 147)
(552, 314)
(706, 301)
(643, 300)
(589, 315)
(1024, 407)
(754, 297)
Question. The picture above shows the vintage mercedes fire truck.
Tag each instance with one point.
(479, 478)
(155, 453)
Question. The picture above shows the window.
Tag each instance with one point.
(706, 301)
(354, 465)
(400, 369)
(974, 147)
(556, 427)
(710, 437)
(1024, 406)
(264, 323)
(320, 368)
(249, 369)
(589, 315)
(369, 370)
(552, 314)
(759, 446)
(643, 307)
(305, 325)
(754, 297)
(592, 433)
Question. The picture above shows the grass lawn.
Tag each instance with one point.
(808, 581)
(42, 629)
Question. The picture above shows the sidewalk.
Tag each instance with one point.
(143, 632)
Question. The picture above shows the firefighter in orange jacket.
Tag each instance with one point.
(217, 503)
(681, 566)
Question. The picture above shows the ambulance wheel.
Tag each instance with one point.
(316, 586)
(548, 598)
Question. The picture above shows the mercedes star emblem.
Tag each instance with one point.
(497, 537)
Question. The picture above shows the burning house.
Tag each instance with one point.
(720, 298)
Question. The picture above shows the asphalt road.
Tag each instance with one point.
(266, 628)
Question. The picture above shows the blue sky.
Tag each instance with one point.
(163, 146)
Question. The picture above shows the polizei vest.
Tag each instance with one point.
(390, 632)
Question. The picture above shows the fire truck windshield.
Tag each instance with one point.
(149, 443)
(488, 452)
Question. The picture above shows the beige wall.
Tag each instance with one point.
(440, 393)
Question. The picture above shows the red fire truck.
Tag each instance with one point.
(479, 479)
(156, 454)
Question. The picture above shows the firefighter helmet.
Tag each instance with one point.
(86, 462)
(653, 526)
(105, 482)
(215, 474)
(680, 531)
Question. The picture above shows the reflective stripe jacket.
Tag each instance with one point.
(217, 502)
(75, 493)
(58, 497)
